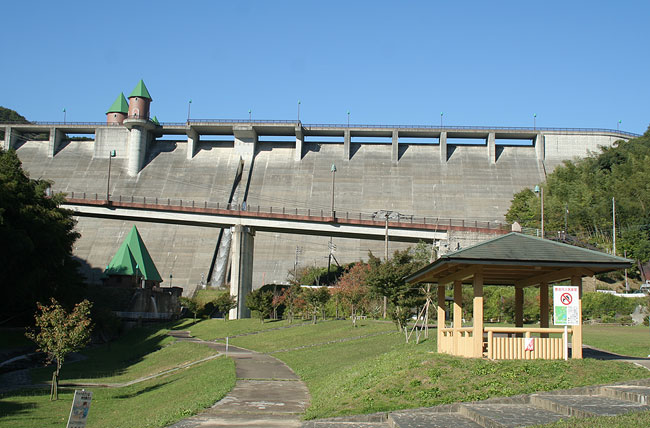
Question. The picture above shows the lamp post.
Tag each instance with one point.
(540, 191)
(108, 179)
(441, 113)
(250, 115)
(298, 110)
(534, 121)
(618, 125)
(64, 115)
(189, 108)
(333, 171)
(348, 118)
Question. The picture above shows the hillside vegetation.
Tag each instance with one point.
(578, 196)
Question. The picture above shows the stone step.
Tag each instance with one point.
(511, 415)
(343, 424)
(636, 393)
(585, 405)
(429, 419)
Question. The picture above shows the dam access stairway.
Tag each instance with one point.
(510, 412)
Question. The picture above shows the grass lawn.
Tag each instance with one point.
(140, 352)
(382, 373)
(629, 420)
(309, 334)
(217, 328)
(626, 340)
(154, 403)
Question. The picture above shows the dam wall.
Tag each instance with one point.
(440, 179)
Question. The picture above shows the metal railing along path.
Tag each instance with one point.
(279, 212)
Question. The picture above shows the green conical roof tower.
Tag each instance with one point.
(120, 105)
(155, 120)
(141, 91)
(132, 257)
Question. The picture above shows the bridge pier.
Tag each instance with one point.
(241, 270)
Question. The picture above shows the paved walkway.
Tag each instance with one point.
(267, 393)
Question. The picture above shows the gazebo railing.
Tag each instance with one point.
(502, 347)
(457, 341)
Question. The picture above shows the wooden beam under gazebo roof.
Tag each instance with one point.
(511, 260)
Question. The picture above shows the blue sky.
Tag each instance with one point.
(574, 64)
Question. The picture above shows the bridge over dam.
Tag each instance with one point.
(466, 174)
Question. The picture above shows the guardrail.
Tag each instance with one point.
(311, 213)
(345, 126)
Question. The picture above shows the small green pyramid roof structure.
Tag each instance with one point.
(120, 105)
(133, 258)
(155, 120)
(141, 91)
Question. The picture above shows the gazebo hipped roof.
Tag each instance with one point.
(516, 259)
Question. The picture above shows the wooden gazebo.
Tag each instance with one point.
(511, 260)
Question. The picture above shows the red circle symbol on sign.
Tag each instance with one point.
(566, 299)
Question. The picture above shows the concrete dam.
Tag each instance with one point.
(449, 175)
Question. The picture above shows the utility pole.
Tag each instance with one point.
(295, 263)
(333, 170)
(613, 226)
(386, 239)
(540, 190)
(111, 155)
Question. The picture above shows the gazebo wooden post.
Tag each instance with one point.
(478, 314)
(458, 313)
(576, 337)
(441, 314)
(519, 308)
(543, 307)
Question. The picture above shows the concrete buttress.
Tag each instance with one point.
(395, 147)
(245, 141)
(300, 139)
(192, 142)
(491, 148)
(56, 136)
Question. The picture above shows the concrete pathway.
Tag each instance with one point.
(267, 393)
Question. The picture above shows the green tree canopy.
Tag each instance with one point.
(59, 333)
(37, 238)
(578, 196)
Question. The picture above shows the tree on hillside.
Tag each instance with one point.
(578, 197)
(316, 299)
(59, 333)
(292, 300)
(387, 279)
(352, 290)
(191, 304)
(261, 302)
(224, 303)
(37, 239)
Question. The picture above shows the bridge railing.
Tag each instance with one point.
(293, 212)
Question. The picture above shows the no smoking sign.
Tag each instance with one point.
(565, 305)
